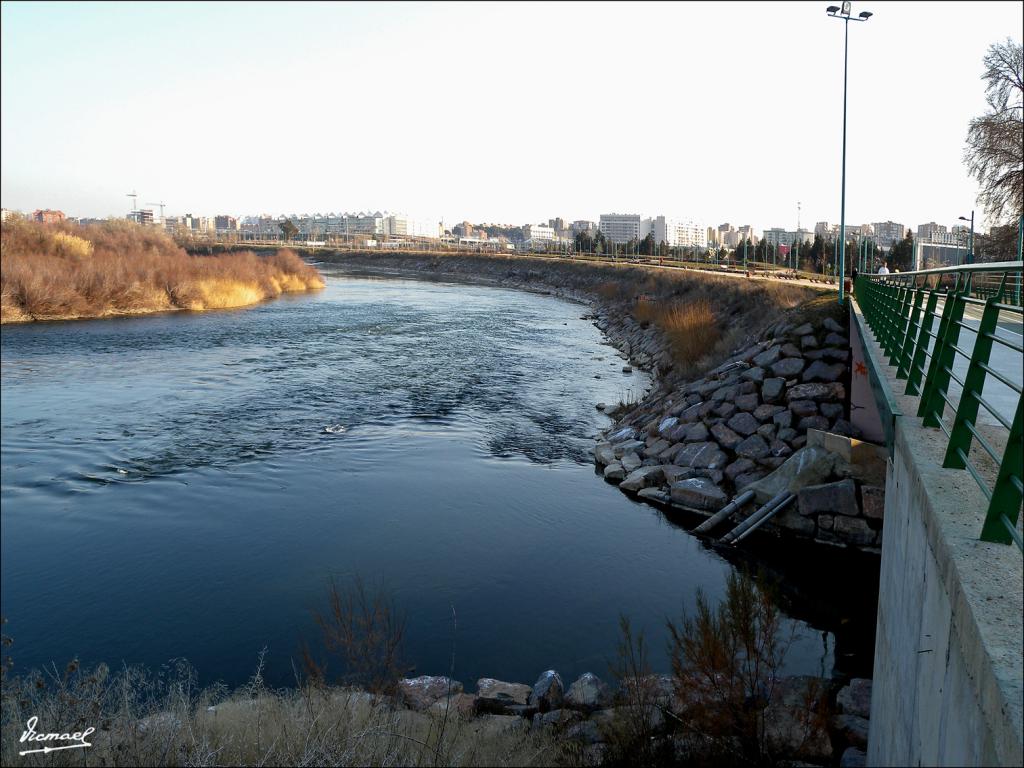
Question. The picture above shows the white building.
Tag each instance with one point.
(623, 227)
(677, 233)
(538, 232)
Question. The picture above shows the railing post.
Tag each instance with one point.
(1004, 508)
(921, 348)
(967, 411)
(933, 401)
(903, 368)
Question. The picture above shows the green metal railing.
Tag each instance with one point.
(917, 319)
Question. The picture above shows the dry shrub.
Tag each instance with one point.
(365, 631)
(66, 271)
(726, 664)
(691, 328)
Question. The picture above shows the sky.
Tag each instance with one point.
(492, 112)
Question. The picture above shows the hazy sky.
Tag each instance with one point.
(495, 112)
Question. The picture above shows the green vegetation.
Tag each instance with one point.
(65, 271)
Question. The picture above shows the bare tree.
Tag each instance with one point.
(995, 140)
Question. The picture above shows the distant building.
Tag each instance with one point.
(6, 214)
(622, 227)
(888, 233)
(785, 237)
(678, 233)
(143, 216)
(225, 223)
(557, 224)
(538, 233)
(746, 232)
(47, 216)
(931, 231)
(583, 225)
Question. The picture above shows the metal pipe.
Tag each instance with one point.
(776, 500)
(724, 512)
(764, 519)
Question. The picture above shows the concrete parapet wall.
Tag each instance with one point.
(948, 658)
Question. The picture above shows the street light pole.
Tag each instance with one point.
(844, 13)
(970, 241)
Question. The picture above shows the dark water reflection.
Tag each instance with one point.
(184, 485)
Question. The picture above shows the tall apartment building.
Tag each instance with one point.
(623, 227)
(888, 233)
(931, 231)
(143, 216)
(785, 237)
(746, 232)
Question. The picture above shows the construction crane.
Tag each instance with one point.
(161, 209)
(132, 195)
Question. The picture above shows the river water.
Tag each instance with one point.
(185, 485)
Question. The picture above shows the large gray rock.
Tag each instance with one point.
(755, 375)
(667, 424)
(855, 698)
(783, 419)
(793, 521)
(808, 342)
(803, 408)
(421, 692)
(698, 493)
(726, 409)
(498, 697)
(588, 693)
(656, 447)
(622, 435)
(725, 436)
(771, 389)
(548, 691)
(831, 410)
(701, 455)
(629, 446)
(790, 350)
(557, 719)
(754, 447)
(788, 367)
(821, 371)
(803, 330)
(746, 402)
(738, 467)
(604, 454)
(854, 729)
(831, 498)
(674, 473)
(743, 423)
(768, 357)
(766, 411)
(854, 530)
(696, 433)
(614, 472)
(691, 414)
(808, 466)
(812, 422)
(644, 477)
(835, 340)
(831, 325)
(816, 392)
(630, 462)
(872, 502)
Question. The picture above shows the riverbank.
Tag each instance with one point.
(68, 272)
(747, 375)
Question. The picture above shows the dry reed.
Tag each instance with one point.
(65, 271)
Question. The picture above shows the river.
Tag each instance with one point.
(186, 484)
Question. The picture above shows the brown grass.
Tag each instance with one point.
(65, 271)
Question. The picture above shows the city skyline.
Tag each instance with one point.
(572, 110)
